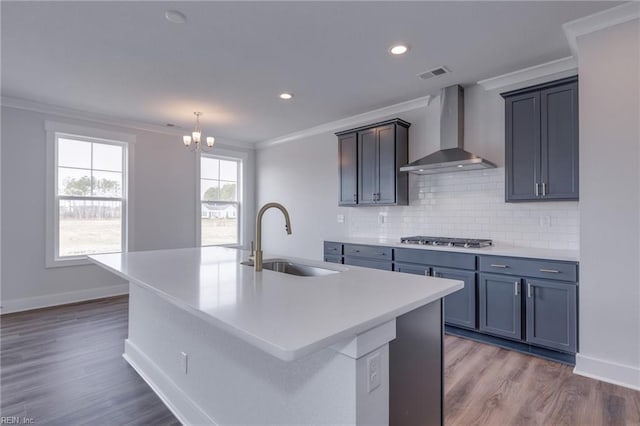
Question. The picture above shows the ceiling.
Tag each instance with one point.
(230, 60)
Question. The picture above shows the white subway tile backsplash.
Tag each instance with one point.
(471, 205)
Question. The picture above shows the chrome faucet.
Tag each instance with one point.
(257, 261)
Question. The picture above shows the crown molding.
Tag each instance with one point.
(563, 67)
(60, 111)
(349, 122)
(598, 21)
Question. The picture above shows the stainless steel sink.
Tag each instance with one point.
(287, 267)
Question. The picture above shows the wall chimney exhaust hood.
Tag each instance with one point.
(451, 157)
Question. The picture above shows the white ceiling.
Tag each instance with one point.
(231, 59)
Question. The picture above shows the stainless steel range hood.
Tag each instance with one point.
(451, 157)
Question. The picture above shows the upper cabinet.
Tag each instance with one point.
(369, 160)
(542, 142)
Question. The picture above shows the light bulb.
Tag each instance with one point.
(186, 140)
(210, 141)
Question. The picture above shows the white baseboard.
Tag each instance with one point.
(187, 411)
(28, 303)
(607, 371)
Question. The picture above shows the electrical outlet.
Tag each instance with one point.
(545, 221)
(184, 362)
(340, 218)
(373, 372)
(382, 218)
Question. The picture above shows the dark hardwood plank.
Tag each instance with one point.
(64, 366)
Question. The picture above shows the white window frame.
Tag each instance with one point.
(222, 154)
(54, 131)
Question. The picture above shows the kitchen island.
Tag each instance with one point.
(223, 344)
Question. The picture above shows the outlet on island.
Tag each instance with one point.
(373, 372)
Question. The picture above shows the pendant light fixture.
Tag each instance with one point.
(196, 136)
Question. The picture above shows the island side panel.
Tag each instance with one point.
(416, 384)
(229, 381)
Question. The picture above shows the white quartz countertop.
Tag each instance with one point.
(286, 316)
(496, 250)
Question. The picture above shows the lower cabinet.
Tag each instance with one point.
(552, 314)
(500, 306)
(549, 309)
(459, 307)
(530, 305)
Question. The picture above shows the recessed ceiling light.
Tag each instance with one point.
(286, 96)
(175, 16)
(460, 165)
(398, 49)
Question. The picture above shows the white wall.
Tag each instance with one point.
(163, 203)
(610, 204)
(303, 175)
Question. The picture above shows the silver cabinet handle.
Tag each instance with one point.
(499, 266)
(551, 271)
(381, 254)
(516, 288)
(544, 189)
(529, 290)
(537, 186)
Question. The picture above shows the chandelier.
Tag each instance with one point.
(196, 136)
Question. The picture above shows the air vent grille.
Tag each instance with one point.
(434, 73)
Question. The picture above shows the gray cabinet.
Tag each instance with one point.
(380, 149)
(551, 314)
(375, 257)
(459, 307)
(550, 305)
(541, 136)
(500, 306)
(348, 169)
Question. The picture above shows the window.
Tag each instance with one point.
(87, 209)
(220, 195)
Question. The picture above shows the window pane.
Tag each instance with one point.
(219, 224)
(89, 227)
(74, 153)
(209, 168)
(107, 184)
(228, 191)
(228, 170)
(107, 157)
(74, 182)
(209, 190)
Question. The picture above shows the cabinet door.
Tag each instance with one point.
(500, 306)
(348, 169)
(522, 146)
(367, 166)
(551, 314)
(459, 307)
(559, 142)
(387, 164)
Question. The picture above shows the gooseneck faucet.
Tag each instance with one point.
(258, 255)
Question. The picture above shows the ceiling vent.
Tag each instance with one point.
(434, 73)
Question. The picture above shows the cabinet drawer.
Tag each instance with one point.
(536, 268)
(436, 258)
(370, 252)
(333, 249)
(366, 263)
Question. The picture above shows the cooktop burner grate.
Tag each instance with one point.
(447, 242)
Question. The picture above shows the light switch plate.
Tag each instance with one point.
(340, 218)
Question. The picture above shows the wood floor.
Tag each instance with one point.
(64, 366)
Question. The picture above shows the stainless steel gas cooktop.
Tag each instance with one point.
(446, 242)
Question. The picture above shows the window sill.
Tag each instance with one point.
(65, 263)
